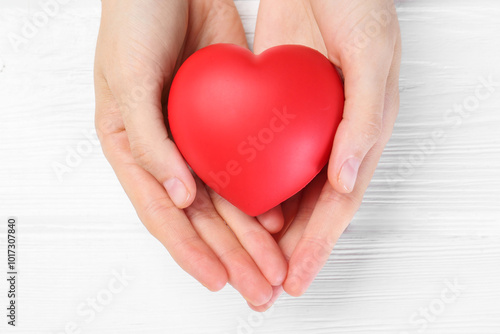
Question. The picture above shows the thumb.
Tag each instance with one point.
(139, 97)
(361, 124)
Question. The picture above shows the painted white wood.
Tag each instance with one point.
(430, 219)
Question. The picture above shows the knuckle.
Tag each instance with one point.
(330, 197)
(238, 263)
(187, 244)
(143, 154)
(255, 236)
(197, 214)
(108, 124)
(336, 200)
(230, 255)
(372, 129)
(320, 247)
(191, 247)
(159, 209)
(108, 120)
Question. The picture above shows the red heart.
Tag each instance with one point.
(256, 129)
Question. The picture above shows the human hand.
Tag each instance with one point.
(362, 39)
(140, 46)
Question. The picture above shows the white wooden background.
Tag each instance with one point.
(430, 219)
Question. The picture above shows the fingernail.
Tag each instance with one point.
(264, 298)
(349, 173)
(261, 299)
(177, 191)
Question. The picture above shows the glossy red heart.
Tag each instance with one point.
(256, 128)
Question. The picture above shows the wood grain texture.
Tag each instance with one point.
(430, 219)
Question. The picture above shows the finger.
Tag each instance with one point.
(361, 124)
(155, 209)
(366, 69)
(243, 273)
(332, 213)
(259, 244)
(289, 208)
(291, 237)
(277, 291)
(170, 225)
(317, 241)
(272, 220)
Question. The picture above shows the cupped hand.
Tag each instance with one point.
(362, 39)
(140, 46)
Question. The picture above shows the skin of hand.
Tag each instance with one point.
(362, 39)
(140, 46)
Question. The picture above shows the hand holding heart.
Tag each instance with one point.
(362, 38)
(141, 45)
